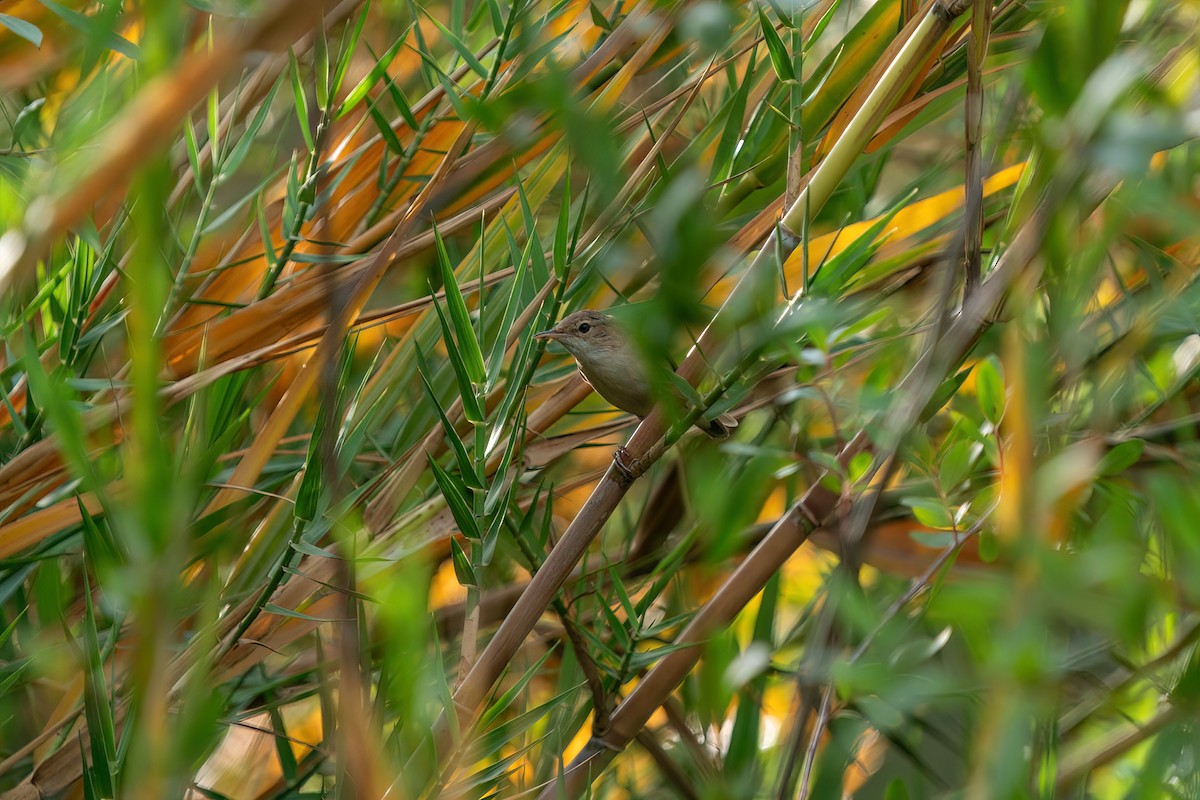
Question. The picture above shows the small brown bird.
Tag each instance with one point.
(611, 364)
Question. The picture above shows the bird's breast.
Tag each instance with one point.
(620, 381)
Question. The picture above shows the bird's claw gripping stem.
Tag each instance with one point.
(629, 468)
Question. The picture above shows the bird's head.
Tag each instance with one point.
(587, 335)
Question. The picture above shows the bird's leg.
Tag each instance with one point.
(628, 467)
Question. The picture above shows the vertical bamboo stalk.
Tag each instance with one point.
(981, 23)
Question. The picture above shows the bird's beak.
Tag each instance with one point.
(550, 334)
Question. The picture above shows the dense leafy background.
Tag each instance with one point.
(278, 451)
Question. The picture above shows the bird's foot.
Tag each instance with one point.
(629, 468)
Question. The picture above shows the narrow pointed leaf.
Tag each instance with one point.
(238, 153)
(465, 465)
(379, 70)
(456, 499)
(464, 331)
(300, 100)
(781, 62)
(349, 45)
(467, 55)
(462, 565)
(466, 387)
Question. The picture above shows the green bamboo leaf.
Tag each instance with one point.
(524, 527)
(385, 129)
(785, 15)
(283, 747)
(823, 23)
(511, 309)
(26, 119)
(379, 70)
(466, 388)
(465, 465)
(467, 55)
(946, 390)
(26, 30)
(599, 644)
(734, 113)
(325, 258)
(213, 118)
(504, 701)
(348, 47)
(97, 706)
(264, 231)
(861, 324)
(94, 28)
(496, 492)
(929, 512)
(491, 536)
(292, 209)
(496, 15)
(236, 207)
(521, 372)
(935, 541)
(512, 726)
(402, 105)
(598, 18)
(562, 230)
(485, 782)
(462, 565)
(309, 494)
(238, 153)
(743, 739)
(90, 792)
(452, 93)
(280, 611)
(340, 589)
(781, 62)
(300, 101)
(689, 392)
(989, 389)
(956, 463)
(858, 466)
(515, 252)
(480, 281)
(310, 549)
(456, 499)
(643, 659)
(65, 416)
(101, 548)
(17, 422)
(541, 271)
(834, 275)
(193, 154)
(1121, 457)
(464, 331)
(626, 601)
(321, 71)
(82, 263)
(661, 628)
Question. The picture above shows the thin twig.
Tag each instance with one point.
(810, 755)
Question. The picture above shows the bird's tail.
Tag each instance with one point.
(719, 428)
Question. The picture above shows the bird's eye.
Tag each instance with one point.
(584, 328)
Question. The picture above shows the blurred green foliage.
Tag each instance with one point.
(278, 450)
